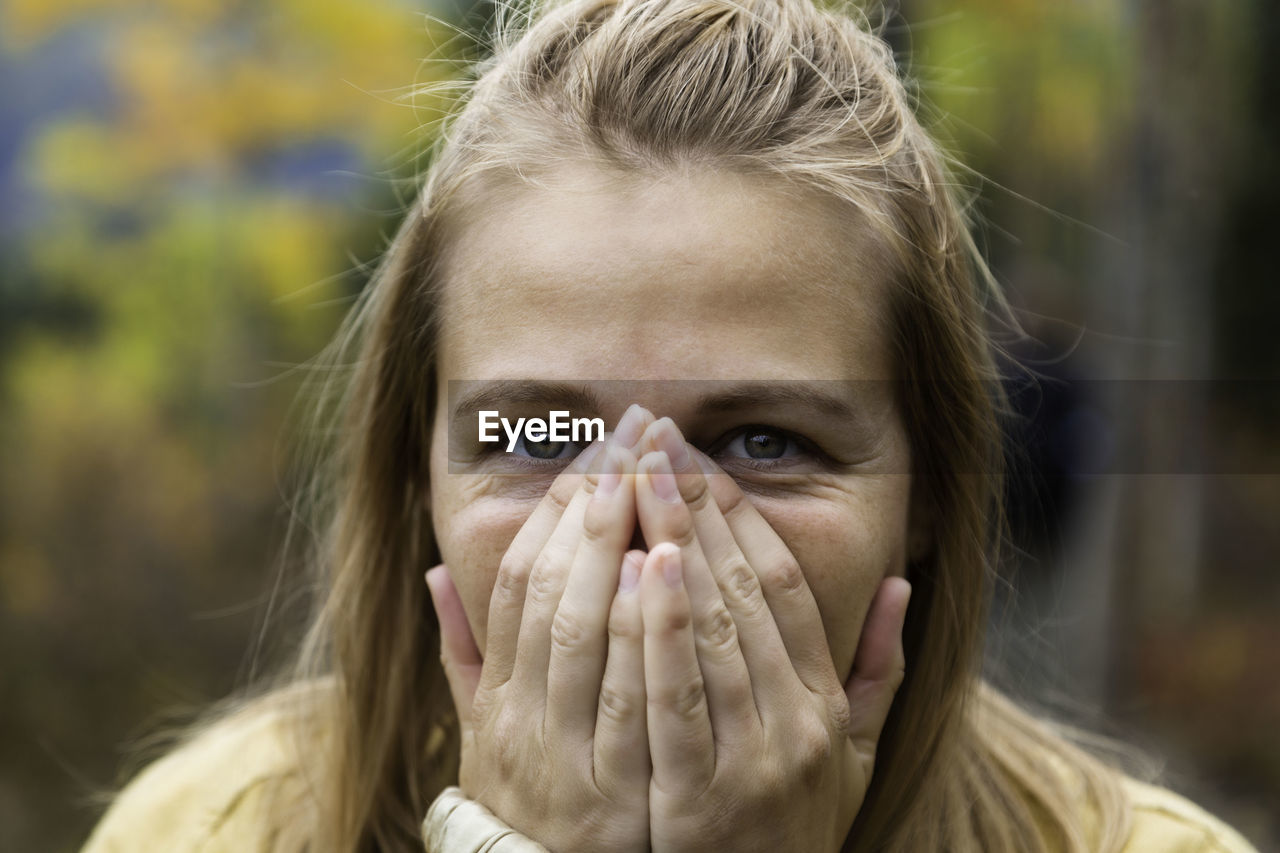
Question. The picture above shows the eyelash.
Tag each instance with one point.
(530, 462)
(804, 446)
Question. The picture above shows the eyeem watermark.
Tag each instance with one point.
(1078, 429)
(558, 426)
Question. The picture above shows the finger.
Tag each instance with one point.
(733, 531)
(728, 677)
(631, 426)
(621, 738)
(744, 591)
(458, 650)
(879, 667)
(506, 604)
(681, 744)
(579, 629)
(547, 579)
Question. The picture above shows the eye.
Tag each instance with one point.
(546, 450)
(763, 443)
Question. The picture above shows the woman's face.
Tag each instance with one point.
(591, 279)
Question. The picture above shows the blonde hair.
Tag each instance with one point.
(809, 98)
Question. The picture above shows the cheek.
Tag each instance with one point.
(846, 545)
(472, 537)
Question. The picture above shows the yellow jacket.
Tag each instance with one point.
(208, 795)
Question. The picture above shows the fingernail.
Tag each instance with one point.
(661, 478)
(630, 427)
(629, 578)
(670, 442)
(610, 476)
(670, 558)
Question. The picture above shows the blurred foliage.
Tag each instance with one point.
(189, 191)
(181, 233)
(1053, 78)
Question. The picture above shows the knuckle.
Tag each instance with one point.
(686, 700)
(838, 711)
(731, 499)
(562, 491)
(513, 573)
(506, 758)
(740, 581)
(813, 748)
(719, 633)
(617, 706)
(682, 532)
(696, 493)
(543, 583)
(674, 621)
(568, 633)
(483, 706)
(784, 574)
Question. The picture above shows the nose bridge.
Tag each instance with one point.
(673, 398)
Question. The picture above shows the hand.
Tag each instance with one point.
(554, 740)
(755, 744)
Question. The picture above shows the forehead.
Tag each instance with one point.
(701, 275)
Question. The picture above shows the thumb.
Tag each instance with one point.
(458, 650)
(879, 667)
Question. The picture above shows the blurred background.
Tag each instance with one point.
(191, 193)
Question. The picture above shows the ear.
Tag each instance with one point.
(920, 523)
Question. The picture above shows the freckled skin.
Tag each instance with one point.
(704, 276)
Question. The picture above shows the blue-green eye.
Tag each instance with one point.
(762, 443)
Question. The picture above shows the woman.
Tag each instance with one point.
(716, 226)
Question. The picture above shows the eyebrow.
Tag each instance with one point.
(503, 392)
(738, 396)
(790, 393)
